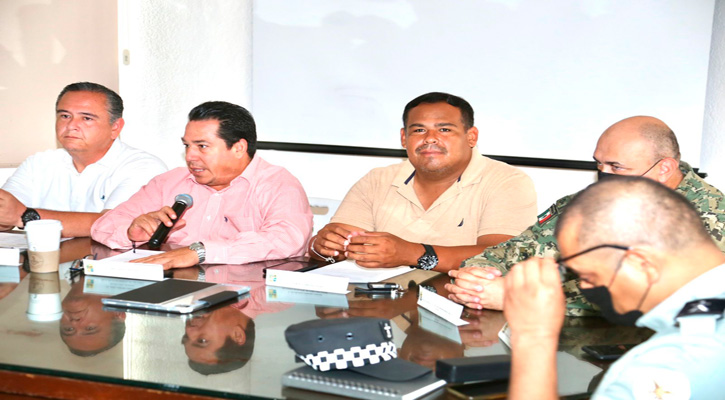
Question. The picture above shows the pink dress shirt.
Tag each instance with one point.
(262, 215)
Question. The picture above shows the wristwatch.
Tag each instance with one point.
(200, 250)
(29, 215)
(427, 261)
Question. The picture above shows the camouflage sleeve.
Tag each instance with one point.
(709, 202)
(536, 241)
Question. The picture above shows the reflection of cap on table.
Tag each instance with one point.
(363, 345)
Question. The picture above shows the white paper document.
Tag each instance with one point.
(357, 274)
(119, 266)
(9, 256)
(17, 240)
(441, 307)
(133, 255)
(306, 281)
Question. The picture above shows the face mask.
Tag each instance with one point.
(602, 176)
(601, 297)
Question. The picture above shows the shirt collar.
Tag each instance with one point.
(470, 175)
(111, 154)
(105, 161)
(662, 316)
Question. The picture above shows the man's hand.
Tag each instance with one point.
(11, 211)
(534, 300)
(144, 226)
(477, 287)
(179, 258)
(331, 241)
(382, 250)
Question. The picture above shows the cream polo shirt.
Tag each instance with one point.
(490, 197)
(48, 180)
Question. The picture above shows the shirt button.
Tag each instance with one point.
(208, 217)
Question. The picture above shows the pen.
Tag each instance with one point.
(133, 245)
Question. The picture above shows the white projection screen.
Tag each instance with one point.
(545, 78)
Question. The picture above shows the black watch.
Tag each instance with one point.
(29, 215)
(427, 261)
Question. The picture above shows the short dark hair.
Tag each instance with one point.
(440, 97)
(235, 122)
(114, 103)
(631, 211)
(231, 355)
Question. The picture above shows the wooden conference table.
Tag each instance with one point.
(94, 353)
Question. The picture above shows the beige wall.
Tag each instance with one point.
(45, 45)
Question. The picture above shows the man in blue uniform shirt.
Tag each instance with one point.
(647, 246)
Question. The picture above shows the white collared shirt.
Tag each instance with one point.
(49, 180)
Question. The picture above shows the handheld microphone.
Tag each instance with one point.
(182, 202)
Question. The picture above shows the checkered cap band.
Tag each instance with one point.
(355, 356)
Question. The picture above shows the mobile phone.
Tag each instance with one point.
(607, 352)
(480, 390)
(383, 286)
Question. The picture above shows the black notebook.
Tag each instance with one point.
(176, 296)
(352, 384)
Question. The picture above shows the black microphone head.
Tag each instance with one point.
(184, 198)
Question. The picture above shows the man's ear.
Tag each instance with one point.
(120, 316)
(240, 148)
(238, 335)
(403, 138)
(645, 262)
(472, 136)
(668, 167)
(116, 127)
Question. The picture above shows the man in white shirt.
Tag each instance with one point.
(92, 173)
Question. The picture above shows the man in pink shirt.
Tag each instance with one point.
(244, 209)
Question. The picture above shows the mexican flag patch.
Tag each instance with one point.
(545, 216)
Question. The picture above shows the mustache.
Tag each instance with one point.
(431, 146)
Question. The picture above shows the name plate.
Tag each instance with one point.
(121, 269)
(301, 280)
(441, 307)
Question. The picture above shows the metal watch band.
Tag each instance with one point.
(200, 250)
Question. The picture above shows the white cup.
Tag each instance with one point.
(43, 244)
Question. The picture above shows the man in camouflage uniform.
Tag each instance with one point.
(634, 146)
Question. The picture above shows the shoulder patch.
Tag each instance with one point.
(547, 214)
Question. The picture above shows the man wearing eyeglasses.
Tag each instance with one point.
(646, 245)
(636, 146)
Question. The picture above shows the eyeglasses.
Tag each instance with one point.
(564, 269)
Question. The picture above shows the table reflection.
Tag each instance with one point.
(243, 340)
(85, 327)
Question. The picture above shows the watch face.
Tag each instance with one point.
(428, 262)
(29, 215)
